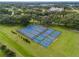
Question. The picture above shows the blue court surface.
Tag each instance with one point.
(42, 35)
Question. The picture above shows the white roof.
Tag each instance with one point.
(55, 9)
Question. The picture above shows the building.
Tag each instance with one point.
(55, 9)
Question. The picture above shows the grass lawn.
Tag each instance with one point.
(5, 39)
(67, 44)
(2, 53)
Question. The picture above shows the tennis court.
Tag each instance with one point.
(40, 34)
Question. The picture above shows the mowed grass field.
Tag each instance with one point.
(67, 44)
(1, 54)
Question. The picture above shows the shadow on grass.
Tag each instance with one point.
(10, 25)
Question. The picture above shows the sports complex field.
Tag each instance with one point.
(67, 44)
(40, 34)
